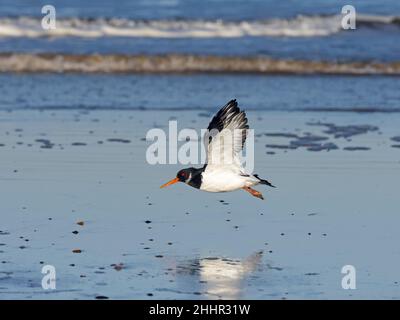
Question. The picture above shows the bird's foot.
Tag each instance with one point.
(254, 193)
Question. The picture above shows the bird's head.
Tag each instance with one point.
(183, 175)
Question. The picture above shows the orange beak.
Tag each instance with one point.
(173, 181)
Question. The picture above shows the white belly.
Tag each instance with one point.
(224, 180)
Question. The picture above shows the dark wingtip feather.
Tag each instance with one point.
(224, 117)
(225, 114)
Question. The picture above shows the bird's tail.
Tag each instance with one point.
(263, 181)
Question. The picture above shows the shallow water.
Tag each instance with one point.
(137, 241)
(202, 92)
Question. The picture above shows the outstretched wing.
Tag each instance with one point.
(226, 135)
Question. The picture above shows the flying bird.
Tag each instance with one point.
(223, 171)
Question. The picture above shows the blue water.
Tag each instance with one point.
(199, 92)
(192, 9)
(371, 42)
(337, 47)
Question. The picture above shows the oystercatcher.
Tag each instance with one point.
(223, 171)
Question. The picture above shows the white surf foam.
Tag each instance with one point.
(300, 26)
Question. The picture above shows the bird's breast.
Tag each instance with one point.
(221, 181)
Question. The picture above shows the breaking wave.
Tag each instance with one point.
(300, 26)
(176, 63)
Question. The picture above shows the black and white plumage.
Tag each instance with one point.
(223, 170)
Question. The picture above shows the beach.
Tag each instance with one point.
(332, 207)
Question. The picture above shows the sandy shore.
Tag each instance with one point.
(332, 207)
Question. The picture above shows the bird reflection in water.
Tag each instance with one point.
(217, 278)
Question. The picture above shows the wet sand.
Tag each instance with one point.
(78, 194)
